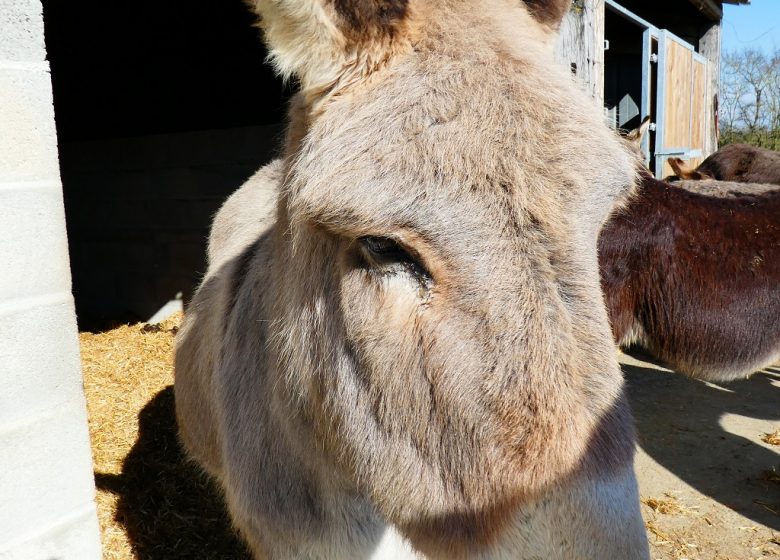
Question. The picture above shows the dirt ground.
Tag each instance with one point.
(708, 482)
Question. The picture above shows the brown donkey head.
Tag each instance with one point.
(683, 171)
(436, 315)
(637, 135)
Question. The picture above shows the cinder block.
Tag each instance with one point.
(21, 31)
(39, 361)
(74, 539)
(33, 244)
(45, 472)
(28, 143)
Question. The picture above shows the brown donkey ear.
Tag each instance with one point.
(682, 171)
(329, 43)
(548, 12)
(635, 136)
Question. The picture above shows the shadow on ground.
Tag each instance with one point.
(169, 508)
(681, 426)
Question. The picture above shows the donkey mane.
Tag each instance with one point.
(712, 187)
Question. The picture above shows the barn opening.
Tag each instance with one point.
(623, 70)
(629, 74)
(661, 60)
(162, 110)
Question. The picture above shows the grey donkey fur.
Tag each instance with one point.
(400, 348)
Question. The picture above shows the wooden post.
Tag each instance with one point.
(709, 47)
(580, 45)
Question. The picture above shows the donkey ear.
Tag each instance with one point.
(636, 135)
(370, 18)
(548, 12)
(318, 41)
(683, 171)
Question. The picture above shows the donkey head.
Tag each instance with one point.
(438, 319)
(684, 171)
(324, 42)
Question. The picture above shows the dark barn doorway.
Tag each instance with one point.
(163, 109)
(630, 74)
(623, 71)
(656, 64)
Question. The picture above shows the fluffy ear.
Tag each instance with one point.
(548, 12)
(682, 171)
(635, 136)
(318, 41)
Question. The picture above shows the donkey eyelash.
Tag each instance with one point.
(387, 252)
(382, 246)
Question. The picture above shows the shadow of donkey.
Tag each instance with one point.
(680, 422)
(169, 508)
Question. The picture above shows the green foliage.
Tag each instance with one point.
(763, 138)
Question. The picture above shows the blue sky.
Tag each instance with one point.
(755, 25)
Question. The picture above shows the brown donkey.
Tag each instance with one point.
(735, 162)
(695, 279)
(728, 184)
(724, 189)
(407, 354)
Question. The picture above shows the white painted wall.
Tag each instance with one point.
(47, 508)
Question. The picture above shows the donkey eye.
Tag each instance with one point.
(382, 246)
(387, 253)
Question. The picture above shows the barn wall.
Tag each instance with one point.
(139, 211)
(153, 142)
(686, 21)
(580, 45)
(710, 47)
(46, 485)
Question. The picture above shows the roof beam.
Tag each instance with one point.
(709, 8)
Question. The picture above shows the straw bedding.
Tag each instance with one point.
(152, 502)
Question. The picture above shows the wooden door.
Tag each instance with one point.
(682, 115)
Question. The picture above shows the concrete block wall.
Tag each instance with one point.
(46, 484)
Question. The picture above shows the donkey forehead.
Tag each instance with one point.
(364, 205)
(460, 182)
(400, 162)
(435, 134)
(414, 201)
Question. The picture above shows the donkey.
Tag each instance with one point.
(694, 279)
(695, 181)
(711, 187)
(736, 162)
(407, 353)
